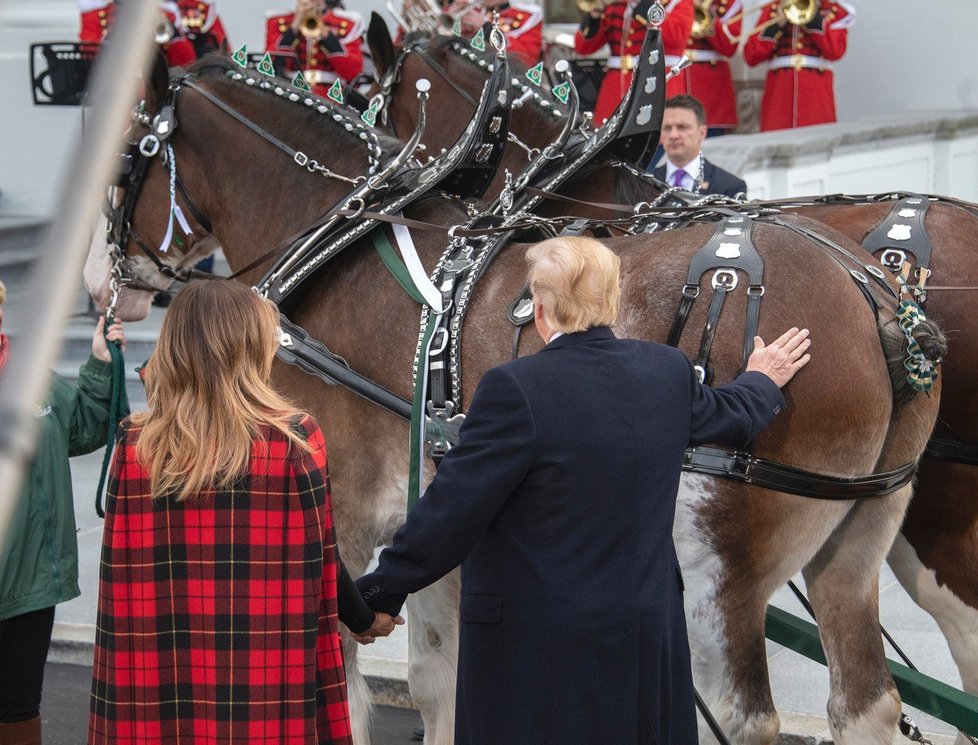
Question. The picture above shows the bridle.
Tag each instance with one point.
(139, 157)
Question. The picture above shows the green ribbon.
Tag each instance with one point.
(394, 264)
(417, 417)
(118, 410)
(921, 372)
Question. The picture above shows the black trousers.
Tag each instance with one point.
(24, 642)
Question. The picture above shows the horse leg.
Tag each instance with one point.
(433, 656)
(737, 545)
(843, 586)
(934, 558)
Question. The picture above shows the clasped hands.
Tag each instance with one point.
(383, 625)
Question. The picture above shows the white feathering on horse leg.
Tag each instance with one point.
(957, 620)
(432, 656)
(874, 727)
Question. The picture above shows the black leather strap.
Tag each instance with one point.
(745, 467)
(902, 232)
(702, 364)
(953, 451)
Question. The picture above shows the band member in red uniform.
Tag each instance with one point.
(521, 23)
(322, 57)
(708, 79)
(201, 25)
(621, 24)
(798, 88)
(97, 17)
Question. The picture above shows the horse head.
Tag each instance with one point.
(177, 203)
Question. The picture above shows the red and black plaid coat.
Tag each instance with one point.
(217, 618)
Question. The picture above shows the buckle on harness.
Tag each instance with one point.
(441, 429)
(724, 279)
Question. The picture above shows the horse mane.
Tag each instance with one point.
(541, 118)
(216, 66)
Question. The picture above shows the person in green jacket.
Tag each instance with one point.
(39, 562)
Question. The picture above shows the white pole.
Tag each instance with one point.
(54, 275)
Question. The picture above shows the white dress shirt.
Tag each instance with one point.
(692, 171)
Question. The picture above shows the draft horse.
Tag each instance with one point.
(935, 554)
(850, 413)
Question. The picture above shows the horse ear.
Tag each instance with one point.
(157, 84)
(224, 49)
(380, 43)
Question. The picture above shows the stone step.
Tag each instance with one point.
(19, 241)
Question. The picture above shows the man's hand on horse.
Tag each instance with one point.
(781, 359)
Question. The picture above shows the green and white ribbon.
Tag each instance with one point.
(921, 372)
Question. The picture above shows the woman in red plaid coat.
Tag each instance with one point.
(217, 610)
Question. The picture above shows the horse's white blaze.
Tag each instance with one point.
(872, 727)
(957, 620)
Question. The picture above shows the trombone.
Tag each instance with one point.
(795, 12)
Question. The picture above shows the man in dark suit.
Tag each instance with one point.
(683, 132)
(558, 502)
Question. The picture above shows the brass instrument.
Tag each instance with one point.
(428, 16)
(589, 6)
(311, 23)
(799, 12)
(703, 19)
(163, 31)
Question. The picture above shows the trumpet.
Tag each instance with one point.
(798, 12)
(311, 23)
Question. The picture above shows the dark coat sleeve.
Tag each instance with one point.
(352, 609)
(474, 481)
(735, 413)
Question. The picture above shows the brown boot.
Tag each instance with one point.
(21, 733)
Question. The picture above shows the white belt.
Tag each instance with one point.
(319, 77)
(696, 55)
(626, 62)
(799, 62)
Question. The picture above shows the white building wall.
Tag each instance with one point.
(903, 56)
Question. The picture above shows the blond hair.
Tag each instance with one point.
(208, 391)
(3, 293)
(576, 281)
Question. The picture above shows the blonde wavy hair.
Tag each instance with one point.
(576, 281)
(208, 391)
(3, 293)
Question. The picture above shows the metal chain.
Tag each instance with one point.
(531, 152)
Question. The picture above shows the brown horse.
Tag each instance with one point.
(935, 557)
(456, 84)
(738, 541)
(936, 552)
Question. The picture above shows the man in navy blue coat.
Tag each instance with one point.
(558, 502)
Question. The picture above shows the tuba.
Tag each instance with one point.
(703, 19)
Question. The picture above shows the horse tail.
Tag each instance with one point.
(932, 343)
